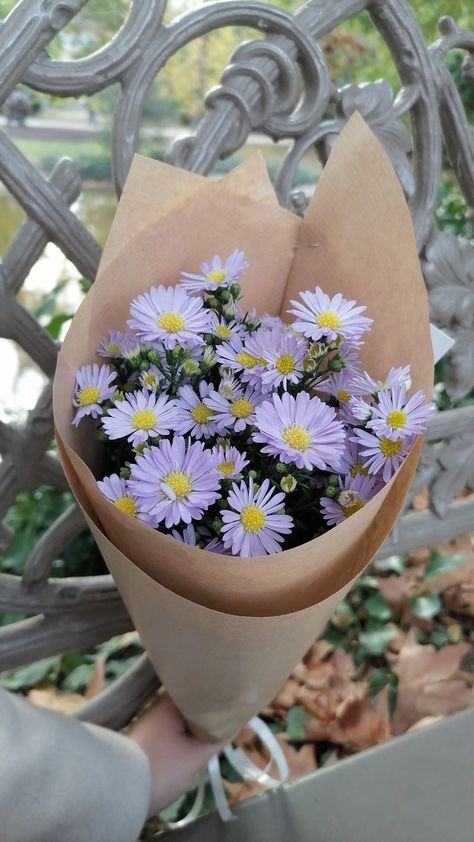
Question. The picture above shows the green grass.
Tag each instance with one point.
(36, 150)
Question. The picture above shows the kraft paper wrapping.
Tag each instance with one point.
(223, 633)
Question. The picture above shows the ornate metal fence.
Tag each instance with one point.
(280, 86)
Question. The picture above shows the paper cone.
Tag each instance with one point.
(224, 632)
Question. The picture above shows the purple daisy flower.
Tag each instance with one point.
(230, 387)
(227, 329)
(251, 525)
(284, 353)
(188, 535)
(130, 346)
(320, 315)
(354, 494)
(352, 463)
(301, 430)
(110, 345)
(169, 315)
(338, 386)
(236, 357)
(229, 461)
(394, 416)
(175, 482)
(151, 378)
(93, 386)
(139, 416)
(195, 417)
(381, 455)
(364, 384)
(215, 545)
(360, 409)
(115, 489)
(216, 274)
(234, 413)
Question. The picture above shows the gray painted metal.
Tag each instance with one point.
(418, 787)
(280, 86)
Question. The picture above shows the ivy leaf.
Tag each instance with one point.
(375, 642)
(297, 718)
(376, 607)
(441, 563)
(391, 564)
(425, 607)
(30, 675)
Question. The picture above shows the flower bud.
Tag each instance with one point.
(209, 357)
(125, 473)
(235, 290)
(190, 367)
(281, 468)
(335, 364)
(308, 364)
(288, 484)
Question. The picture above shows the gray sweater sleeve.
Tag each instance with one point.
(64, 781)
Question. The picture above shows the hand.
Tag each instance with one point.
(174, 755)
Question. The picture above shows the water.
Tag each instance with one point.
(52, 288)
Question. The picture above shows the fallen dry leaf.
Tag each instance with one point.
(300, 761)
(357, 723)
(430, 684)
(423, 723)
(46, 695)
(395, 591)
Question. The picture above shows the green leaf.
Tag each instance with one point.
(376, 607)
(56, 323)
(26, 677)
(335, 637)
(368, 583)
(391, 564)
(425, 607)
(439, 638)
(296, 718)
(343, 616)
(375, 642)
(78, 678)
(441, 563)
(379, 678)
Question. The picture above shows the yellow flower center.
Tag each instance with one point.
(247, 360)
(201, 413)
(226, 468)
(343, 395)
(171, 322)
(390, 448)
(144, 419)
(217, 276)
(285, 364)
(353, 503)
(252, 518)
(396, 419)
(113, 348)
(88, 395)
(241, 408)
(297, 438)
(327, 318)
(127, 505)
(358, 468)
(223, 331)
(179, 482)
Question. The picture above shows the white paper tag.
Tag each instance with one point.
(441, 342)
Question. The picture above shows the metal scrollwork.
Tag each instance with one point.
(281, 86)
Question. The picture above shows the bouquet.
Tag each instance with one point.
(239, 405)
(239, 434)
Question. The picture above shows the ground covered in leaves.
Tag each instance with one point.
(397, 655)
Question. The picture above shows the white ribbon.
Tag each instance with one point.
(245, 767)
